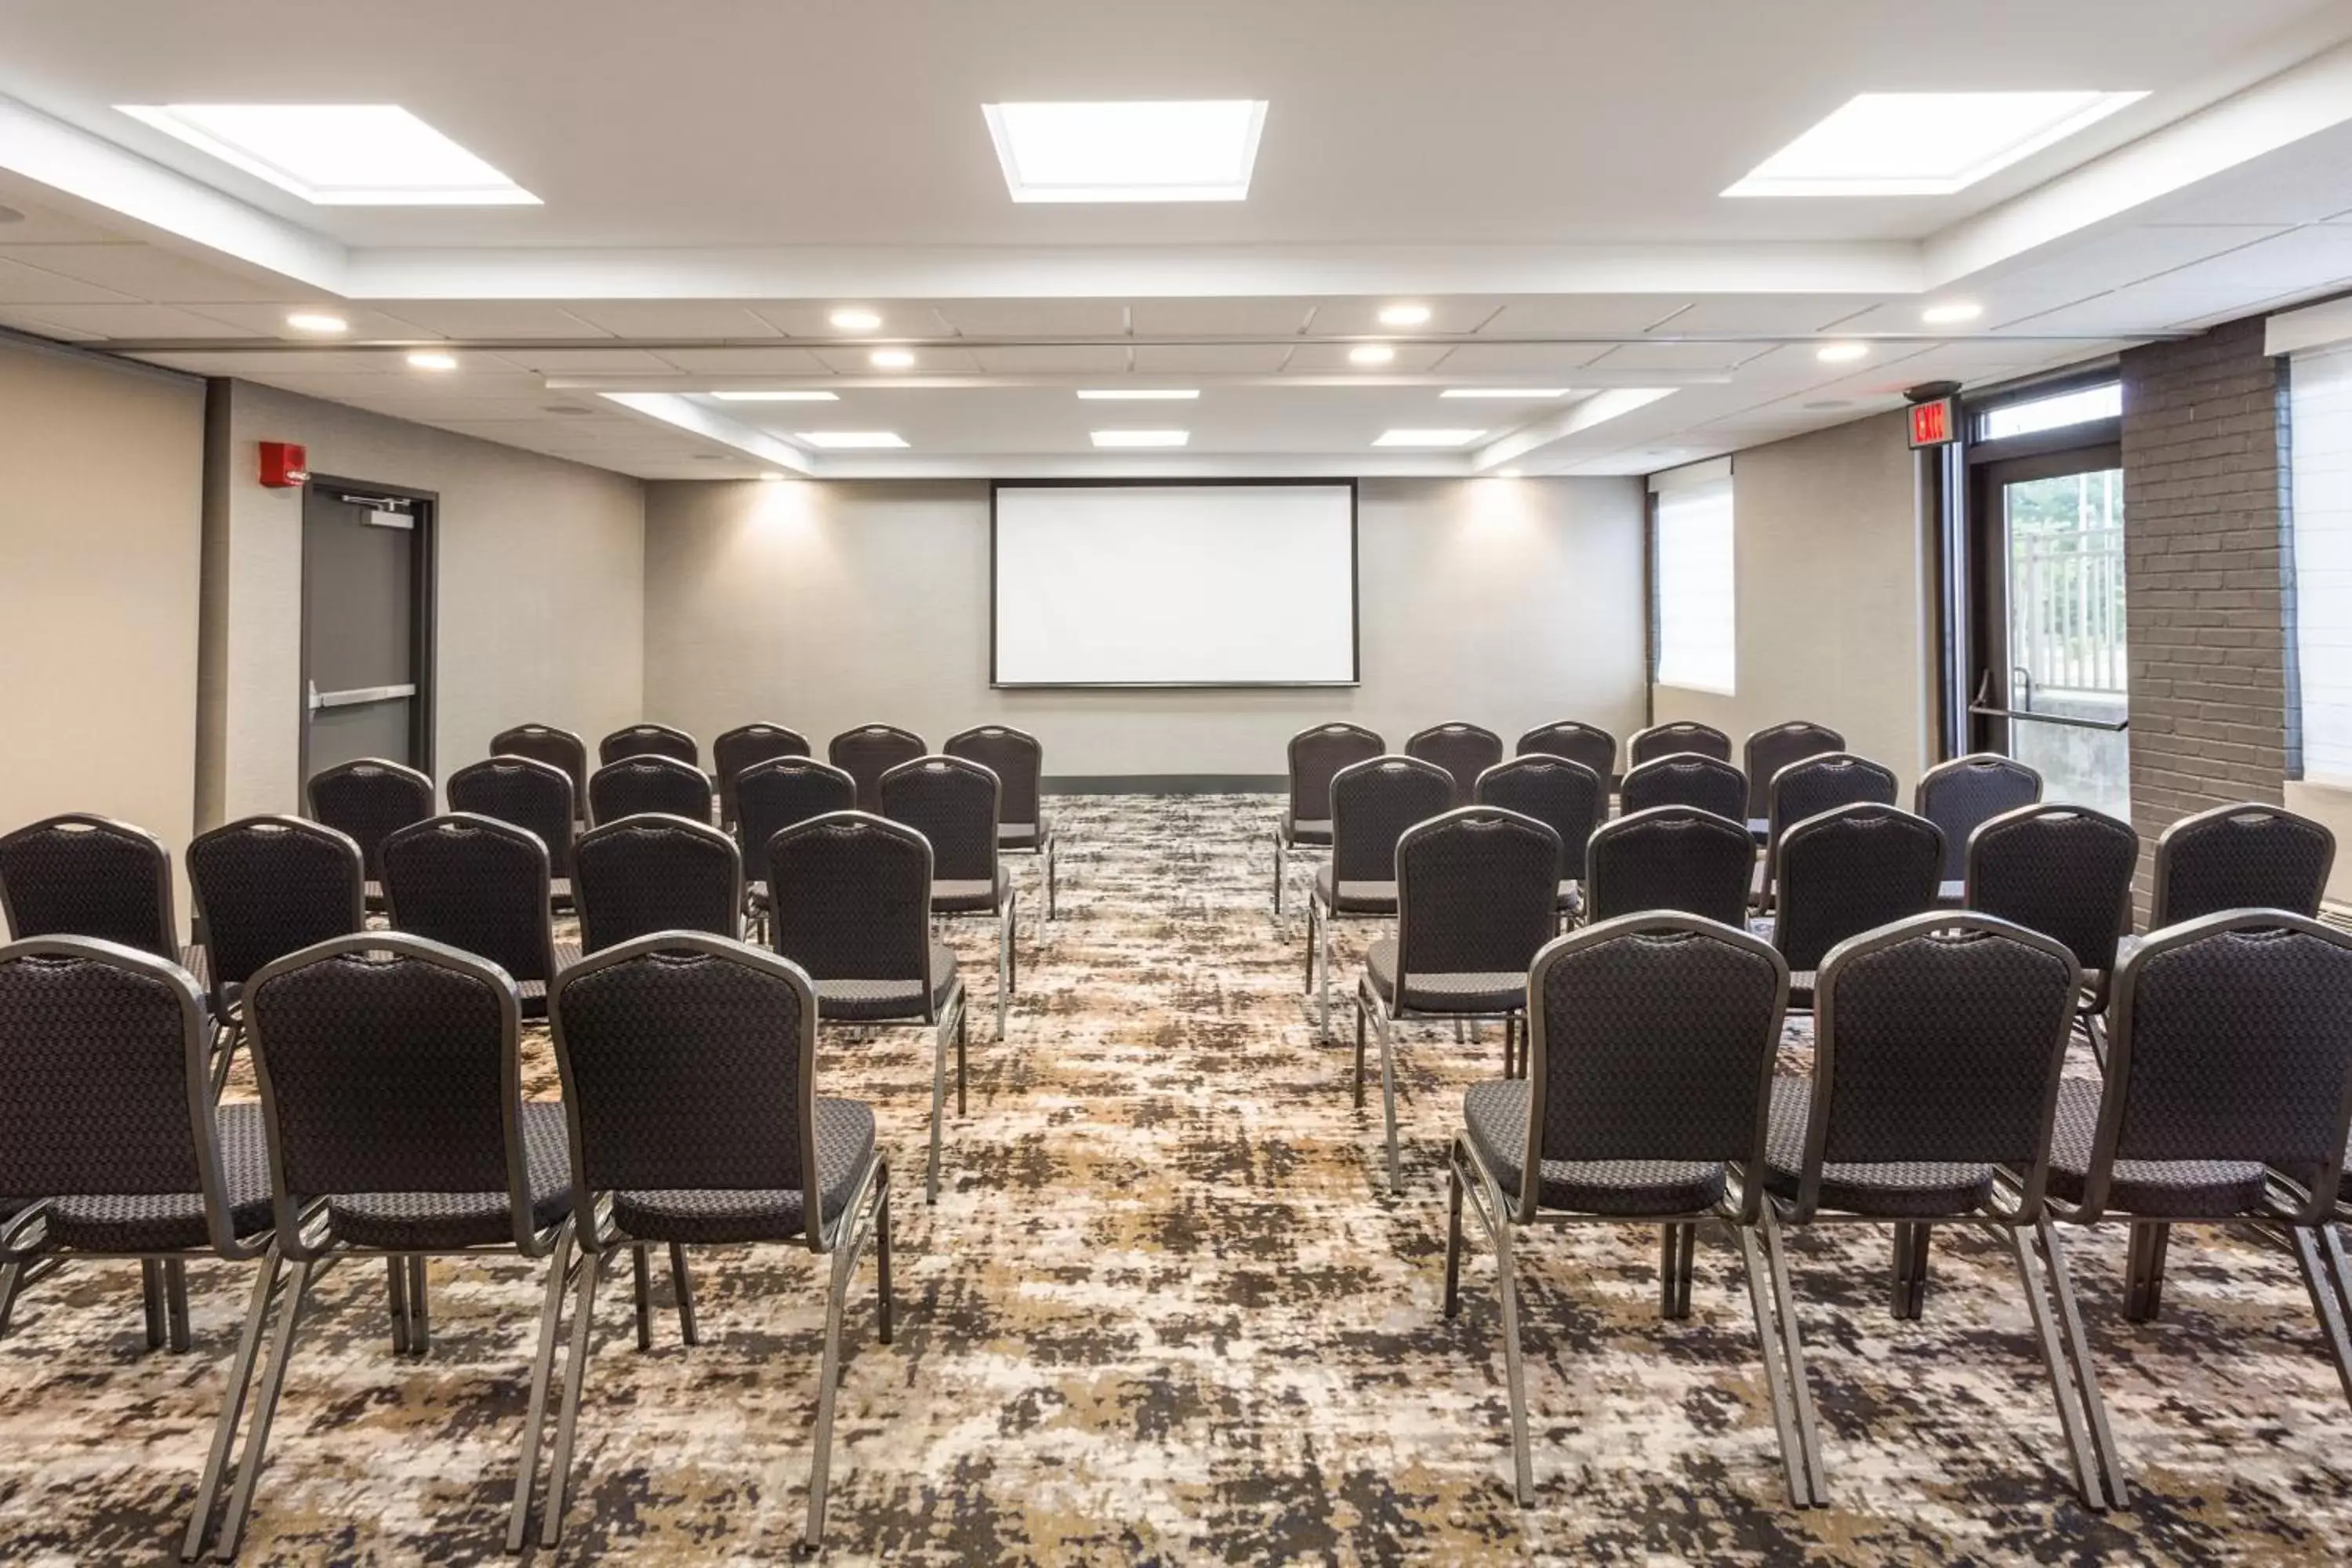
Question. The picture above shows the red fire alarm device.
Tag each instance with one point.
(284, 465)
(1935, 423)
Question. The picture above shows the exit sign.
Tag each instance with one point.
(1935, 424)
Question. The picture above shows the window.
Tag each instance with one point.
(1693, 630)
(2320, 425)
(2105, 401)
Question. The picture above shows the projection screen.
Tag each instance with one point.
(1174, 585)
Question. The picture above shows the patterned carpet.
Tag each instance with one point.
(1164, 1312)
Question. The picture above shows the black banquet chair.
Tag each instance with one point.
(1776, 746)
(1676, 735)
(640, 874)
(1372, 804)
(533, 796)
(1562, 794)
(635, 785)
(690, 1088)
(1018, 760)
(648, 741)
(1686, 778)
(1316, 755)
(1464, 750)
(82, 875)
(364, 801)
(775, 794)
(478, 885)
(1651, 1046)
(952, 803)
(1669, 858)
(2066, 872)
(1960, 796)
(1476, 891)
(868, 751)
(1810, 786)
(2241, 857)
(1595, 748)
(741, 747)
(264, 887)
(559, 749)
(1846, 871)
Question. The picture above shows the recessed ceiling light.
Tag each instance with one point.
(1840, 353)
(431, 359)
(1139, 393)
(317, 322)
(855, 320)
(1196, 150)
(850, 440)
(1428, 438)
(338, 154)
(1513, 394)
(777, 397)
(772, 479)
(1957, 310)
(891, 359)
(1370, 353)
(1923, 143)
(1141, 437)
(1405, 315)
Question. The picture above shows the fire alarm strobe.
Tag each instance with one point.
(284, 465)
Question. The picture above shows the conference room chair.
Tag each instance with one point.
(952, 802)
(557, 748)
(653, 873)
(1776, 746)
(1464, 750)
(80, 874)
(1959, 795)
(1845, 871)
(635, 785)
(1018, 760)
(868, 751)
(741, 747)
(1673, 858)
(1372, 804)
(1595, 748)
(1808, 786)
(1686, 778)
(1679, 735)
(2248, 856)
(478, 885)
(390, 1071)
(1562, 794)
(1316, 755)
(1476, 895)
(856, 916)
(534, 796)
(2065, 872)
(2227, 1079)
(365, 800)
(1650, 1053)
(648, 741)
(264, 887)
(771, 796)
(1939, 1042)
(690, 1090)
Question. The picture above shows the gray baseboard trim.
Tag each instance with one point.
(1165, 784)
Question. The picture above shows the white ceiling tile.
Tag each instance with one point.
(1587, 313)
(25, 320)
(21, 284)
(1034, 318)
(1470, 361)
(673, 317)
(1219, 318)
(1210, 359)
(1676, 357)
(747, 361)
(134, 321)
(1074, 358)
(901, 318)
(588, 362)
(148, 272)
(491, 318)
(269, 319)
(1769, 313)
(1325, 359)
(857, 361)
(1361, 318)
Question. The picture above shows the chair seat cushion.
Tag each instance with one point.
(977, 896)
(174, 1221)
(1496, 1115)
(1909, 1189)
(1298, 830)
(2177, 1189)
(1354, 898)
(844, 1145)
(875, 1001)
(436, 1222)
(1502, 992)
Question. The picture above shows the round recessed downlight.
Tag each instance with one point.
(317, 322)
(429, 358)
(855, 320)
(1370, 353)
(1841, 353)
(1404, 316)
(1951, 312)
(892, 359)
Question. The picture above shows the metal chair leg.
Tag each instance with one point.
(1761, 1303)
(542, 1363)
(1383, 1025)
(939, 1102)
(1004, 966)
(1514, 1370)
(882, 1252)
(224, 1055)
(681, 1285)
(1051, 875)
(845, 1258)
(1280, 866)
(1910, 1285)
(1327, 975)
(395, 1294)
(256, 1441)
(1453, 1229)
(150, 1299)
(11, 1277)
(575, 1370)
(641, 1281)
(2320, 1278)
(1676, 1243)
(1359, 1052)
(2077, 1346)
(420, 1315)
(175, 1301)
(2062, 1385)
(2144, 1266)
(1306, 983)
(240, 1380)
(1792, 1350)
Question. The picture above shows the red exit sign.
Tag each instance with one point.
(1935, 424)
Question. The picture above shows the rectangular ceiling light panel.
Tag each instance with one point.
(338, 154)
(1141, 437)
(1924, 143)
(850, 440)
(1191, 151)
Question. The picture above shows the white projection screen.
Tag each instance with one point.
(1174, 585)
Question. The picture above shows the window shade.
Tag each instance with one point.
(2321, 432)
(1696, 632)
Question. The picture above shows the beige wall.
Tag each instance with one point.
(1832, 595)
(824, 604)
(540, 591)
(100, 536)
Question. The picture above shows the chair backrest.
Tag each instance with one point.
(1940, 1039)
(366, 799)
(1812, 786)
(268, 886)
(1848, 870)
(1465, 751)
(1595, 748)
(952, 803)
(2063, 870)
(1679, 735)
(2246, 857)
(534, 796)
(1316, 755)
(654, 873)
(1771, 749)
(103, 1087)
(1477, 892)
(745, 745)
(770, 796)
(1673, 858)
(648, 741)
(635, 785)
(1686, 778)
(1959, 795)
(1016, 759)
(850, 897)
(1560, 791)
(476, 884)
(545, 744)
(1372, 804)
(2230, 1038)
(688, 1064)
(1652, 1038)
(79, 875)
(389, 1063)
(868, 751)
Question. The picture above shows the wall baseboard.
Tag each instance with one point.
(1165, 784)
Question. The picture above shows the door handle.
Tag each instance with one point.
(310, 703)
